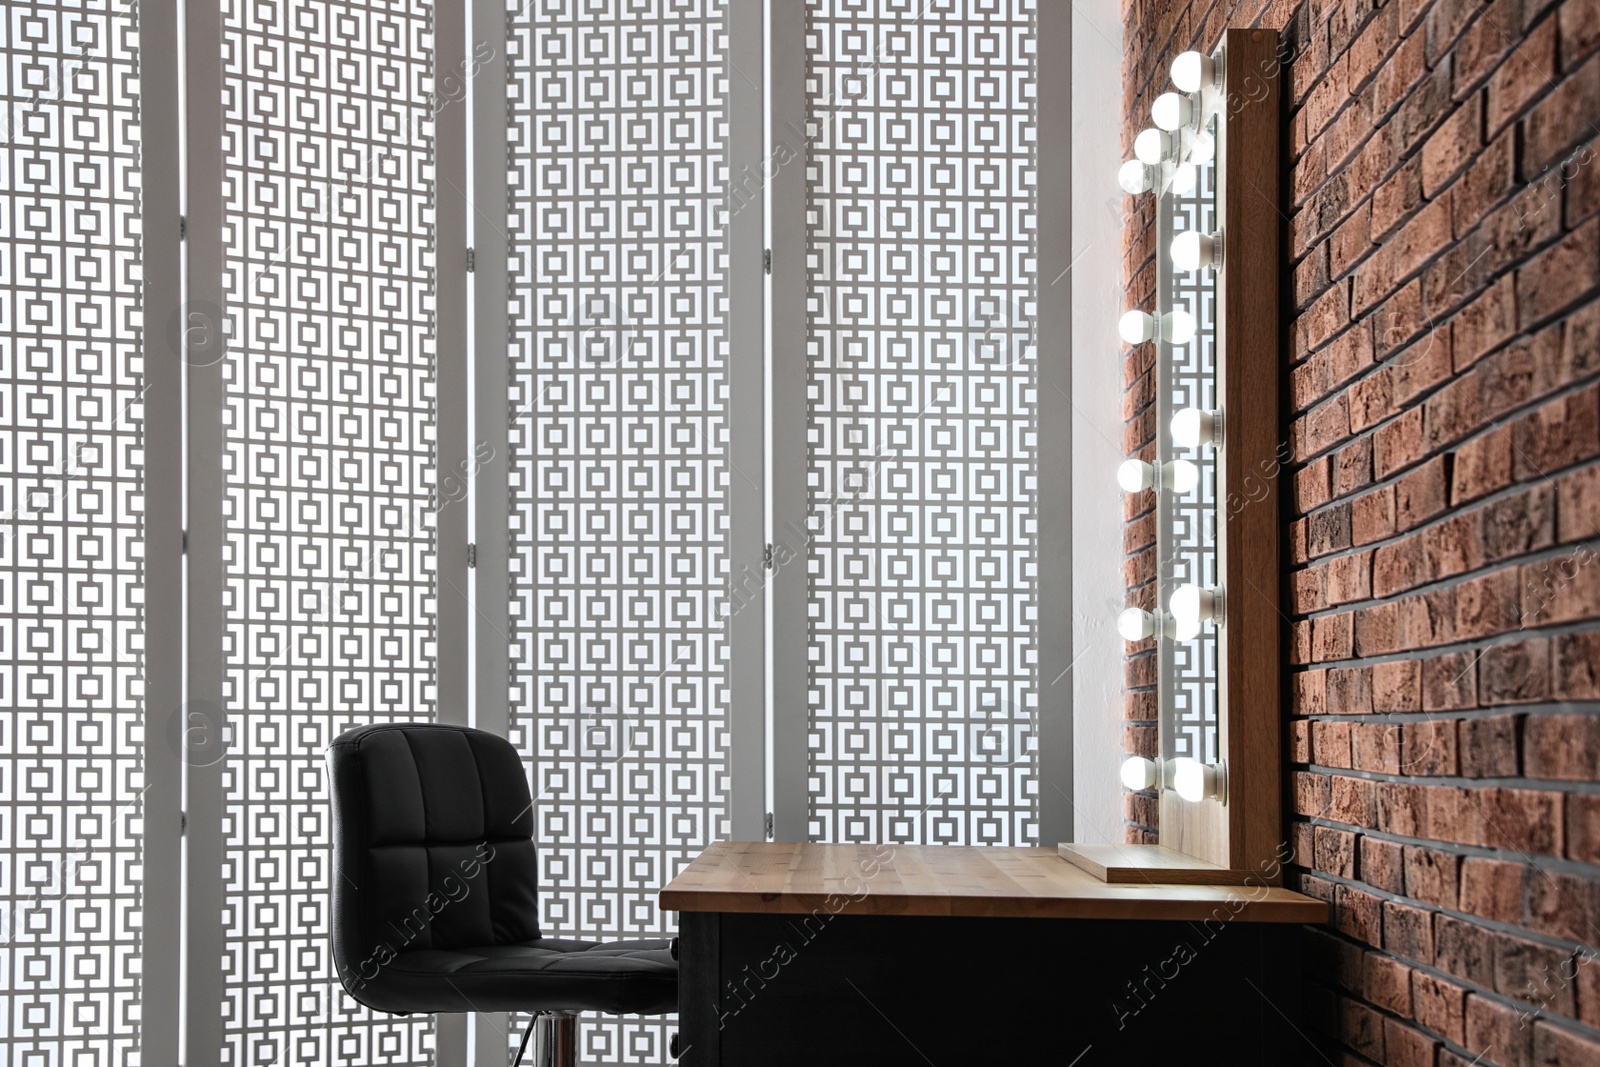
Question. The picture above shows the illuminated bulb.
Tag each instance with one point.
(1203, 149)
(1135, 178)
(1152, 146)
(1140, 773)
(1195, 781)
(1171, 111)
(1182, 476)
(1193, 71)
(1177, 326)
(1184, 179)
(1135, 476)
(1136, 624)
(1137, 327)
(1193, 427)
(1192, 250)
(1192, 605)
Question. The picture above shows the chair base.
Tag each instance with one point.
(555, 1041)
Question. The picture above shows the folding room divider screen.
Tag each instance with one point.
(666, 384)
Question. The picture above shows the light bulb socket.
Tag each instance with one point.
(1178, 476)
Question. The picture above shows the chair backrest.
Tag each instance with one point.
(432, 847)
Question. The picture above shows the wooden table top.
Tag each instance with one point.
(786, 878)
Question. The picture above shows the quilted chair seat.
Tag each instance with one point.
(435, 898)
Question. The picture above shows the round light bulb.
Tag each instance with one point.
(1184, 179)
(1193, 427)
(1192, 605)
(1193, 71)
(1195, 781)
(1192, 250)
(1182, 476)
(1152, 146)
(1171, 111)
(1140, 773)
(1137, 327)
(1135, 177)
(1178, 326)
(1203, 149)
(1135, 475)
(1136, 624)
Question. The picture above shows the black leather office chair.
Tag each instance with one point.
(435, 892)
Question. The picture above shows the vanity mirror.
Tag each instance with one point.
(1211, 162)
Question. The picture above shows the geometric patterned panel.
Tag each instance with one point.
(1188, 522)
(921, 290)
(620, 471)
(328, 200)
(70, 548)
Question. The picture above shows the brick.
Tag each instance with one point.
(1328, 530)
(1311, 793)
(1560, 276)
(1396, 198)
(1564, 589)
(1560, 121)
(1428, 619)
(1421, 366)
(1421, 495)
(1352, 466)
(1489, 180)
(1333, 637)
(1580, 29)
(1492, 1025)
(1488, 746)
(1532, 972)
(1564, 747)
(1311, 485)
(1515, 673)
(1380, 864)
(1403, 255)
(1408, 931)
(1464, 950)
(1528, 820)
(1576, 668)
(1449, 148)
(1399, 566)
(1554, 1046)
(1375, 747)
(1564, 905)
(1402, 809)
(1406, 1046)
(1350, 691)
(1587, 964)
(1579, 495)
(1398, 443)
(1372, 516)
(1361, 1028)
(1485, 324)
(1349, 578)
(1439, 1005)
(1397, 686)
(1330, 743)
(1334, 851)
(1583, 184)
(1371, 400)
(1504, 238)
(1388, 984)
(1351, 241)
(1353, 801)
(1489, 605)
(1527, 71)
(1518, 525)
(1431, 875)
(1300, 741)
(1559, 434)
(1492, 888)
(1449, 682)
(1358, 915)
(1428, 748)
(1377, 631)
(1482, 465)
(1453, 546)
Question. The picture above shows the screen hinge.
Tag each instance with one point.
(766, 557)
(472, 555)
(769, 826)
(183, 823)
(183, 547)
(472, 260)
(766, 260)
(183, 227)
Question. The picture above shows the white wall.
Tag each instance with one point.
(1096, 279)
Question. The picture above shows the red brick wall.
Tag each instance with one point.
(1442, 512)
